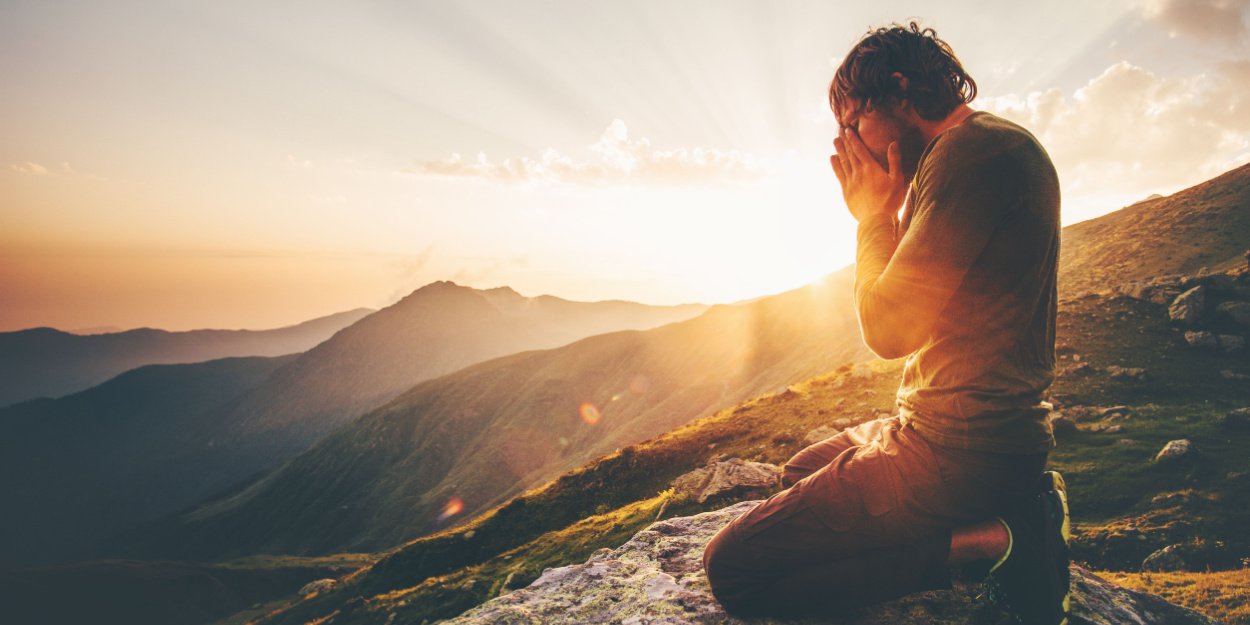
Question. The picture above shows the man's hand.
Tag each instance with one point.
(867, 187)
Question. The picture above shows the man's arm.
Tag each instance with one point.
(902, 285)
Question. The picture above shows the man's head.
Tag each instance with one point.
(892, 82)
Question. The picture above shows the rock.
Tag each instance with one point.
(1229, 374)
(734, 476)
(1113, 413)
(1151, 292)
(317, 586)
(1082, 413)
(657, 578)
(1075, 370)
(1135, 373)
(820, 434)
(1164, 500)
(1113, 429)
(1201, 339)
(1213, 282)
(1188, 307)
(1238, 419)
(1176, 450)
(1236, 312)
(1166, 559)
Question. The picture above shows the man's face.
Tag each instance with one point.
(879, 127)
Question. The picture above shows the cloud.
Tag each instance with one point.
(1222, 20)
(1129, 131)
(33, 169)
(615, 157)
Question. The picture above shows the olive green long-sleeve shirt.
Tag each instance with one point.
(965, 287)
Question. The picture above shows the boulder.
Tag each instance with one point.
(1213, 282)
(1201, 339)
(317, 586)
(1168, 558)
(1188, 307)
(1158, 293)
(734, 476)
(657, 578)
(1176, 450)
(1236, 312)
(1132, 373)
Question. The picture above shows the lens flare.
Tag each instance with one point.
(453, 507)
(590, 414)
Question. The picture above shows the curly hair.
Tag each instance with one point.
(936, 81)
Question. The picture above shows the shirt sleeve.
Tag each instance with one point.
(903, 283)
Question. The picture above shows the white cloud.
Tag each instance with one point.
(1129, 132)
(1222, 20)
(615, 157)
(33, 169)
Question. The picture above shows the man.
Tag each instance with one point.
(964, 285)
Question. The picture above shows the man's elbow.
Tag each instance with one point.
(886, 344)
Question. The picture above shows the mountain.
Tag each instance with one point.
(157, 439)
(475, 437)
(44, 362)
(76, 469)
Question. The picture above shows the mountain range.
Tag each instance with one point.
(165, 437)
(46, 362)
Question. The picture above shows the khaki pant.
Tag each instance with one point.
(865, 517)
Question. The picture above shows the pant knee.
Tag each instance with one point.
(790, 475)
(729, 582)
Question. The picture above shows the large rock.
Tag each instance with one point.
(1168, 558)
(657, 578)
(1179, 449)
(734, 476)
(1201, 339)
(1188, 307)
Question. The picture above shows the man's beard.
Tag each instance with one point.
(911, 144)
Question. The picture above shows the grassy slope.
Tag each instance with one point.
(1202, 226)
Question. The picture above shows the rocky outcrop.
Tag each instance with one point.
(1189, 307)
(735, 476)
(657, 578)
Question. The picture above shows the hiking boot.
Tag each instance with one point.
(1032, 579)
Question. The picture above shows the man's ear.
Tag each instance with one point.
(903, 101)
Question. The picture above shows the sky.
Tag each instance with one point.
(251, 165)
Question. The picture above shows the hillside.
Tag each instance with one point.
(1203, 226)
(43, 362)
(480, 435)
(1125, 506)
(437, 329)
(77, 469)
